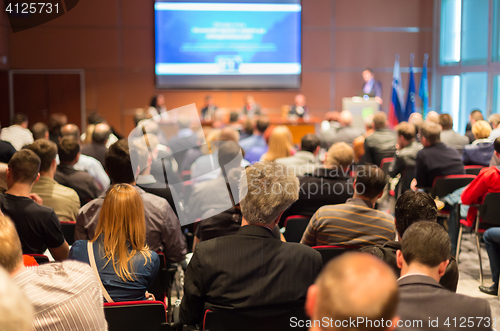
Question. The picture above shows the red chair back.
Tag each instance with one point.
(295, 226)
(40, 258)
(136, 315)
(445, 185)
(385, 163)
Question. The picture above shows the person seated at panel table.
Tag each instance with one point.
(251, 108)
(299, 108)
(208, 112)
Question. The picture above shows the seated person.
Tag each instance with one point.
(412, 207)
(481, 150)
(64, 295)
(15, 310)
(38, 226)
(125, 265)
(423, 259)
(450, 137)
(257, 138)
(407, 149)
(356, 222)
(382, 143)
(492, 242)
(435, 159)
(299, 108)
(346, 133)
(304, 161)
(353, 286)
(330, 185)
(233, 272)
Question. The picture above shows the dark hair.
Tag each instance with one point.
(446, 121)
(56, 121)
(117, 163)
(24, 165)
(139, 116)
(427, 243)
(39, 130)
(407, 130)
(477, 115)
(19, 119)
(262, 124)
(496, 145)
(370, 181)
(368, 69)
(101, 133)
(431, 132)
(228, 154)
(233, 117)
(309, 143)
(412, 207)
(46, 151)
(95, 118)
(379, 120)
(68, 149)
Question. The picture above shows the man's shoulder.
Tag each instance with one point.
(65, 192)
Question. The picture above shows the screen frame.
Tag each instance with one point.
(193, 88)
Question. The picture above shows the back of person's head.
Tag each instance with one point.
(229, 155)
(481, 129)
(39, 131)
(70, 130)
(446, 121)
(353, 286)
(11, 252)
(262, 124)
(380, 120)
(95, 118)
(19, 119)
(412, 207)
(267, 190)
(431, 132)
(370, 181)
(494, 120)
(416, 119)
(476, 115)
(496, 145)
(407, 130)
(339, 155)
(46, 151)
(309, 143)
(433, 117)
(56, 121)
(122, 225)
(117, 163)
(280, 143)
(16, 313)
(332, 116)
(368, 120)
(24, 166)
(139, 115)
(427, 243)
(233, 117)
(248, 126)
(68, 149)
(345, 118)
(142, 151)
(229, 134)
(101, 133)
(183, 122)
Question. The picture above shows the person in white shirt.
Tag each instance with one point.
(17, 134)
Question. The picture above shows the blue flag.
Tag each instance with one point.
(410, 101)
(423, 91)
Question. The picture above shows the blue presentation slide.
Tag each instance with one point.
(227, 38)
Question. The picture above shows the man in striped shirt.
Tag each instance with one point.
(356, 222)
(65, 296)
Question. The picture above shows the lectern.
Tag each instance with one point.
(360, 107)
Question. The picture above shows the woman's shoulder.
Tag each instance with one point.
(78, 249)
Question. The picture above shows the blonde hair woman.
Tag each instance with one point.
(123, 261)
(280, 144)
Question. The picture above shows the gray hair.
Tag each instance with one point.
(268, 188)
(16, 313)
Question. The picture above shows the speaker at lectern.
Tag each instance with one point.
(360, 107)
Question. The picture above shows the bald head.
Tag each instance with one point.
(351, 286)
(433, 117)
(101, 133)
(70, 130)
(345, 118)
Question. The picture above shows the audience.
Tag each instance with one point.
(87, 163)
(66, 174)
(40, 131)
(382, 143)
(481, 150)
(423, 259)
(6, 151)
(3, 177)
(38, 226)
(163, 231)
(62, 199)
(359, 143)
(305, 160)
(474, 116)
(435, 159)
(64, 296)
(183, 140)
(328, 185)
(97, 148)
(494, 120)
(412, 207)
(126, 266)
(56, 122)
(257, 138)
(16, 313)
(353, 287)
(450, 137)
(346, 133)
(252, 268)
(407, 149)
(93, 119)
(356, 222)
(432, 117)
(280, 144)
(17, 134)
(492, 242)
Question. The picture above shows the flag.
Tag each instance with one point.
(423, 90)
(410, 101)
(396, 106)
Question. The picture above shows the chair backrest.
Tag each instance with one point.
(40, 258)
(136, 315)
(490, 209)
(473, 169)
(68, 229)
(295, 226)
(164, 278)
(264, 320)
(330, 252)
(407, 176)
(445, 185)
(386, 163)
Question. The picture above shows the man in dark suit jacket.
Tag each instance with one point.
(423, 259)
(252, 268)
(97, 148)
(382, 143)
(372, 86)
